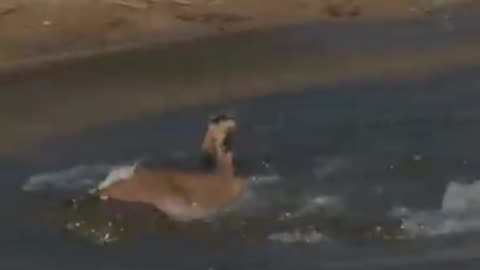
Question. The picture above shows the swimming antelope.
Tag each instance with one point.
(185, 195)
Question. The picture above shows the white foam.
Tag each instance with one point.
(296, 236)
(319, 203)
(80, 177)
(263, 179)
(77, 177)
(117, 174)
(460, 212)
(461, 198)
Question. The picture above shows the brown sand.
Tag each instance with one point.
(38, 30)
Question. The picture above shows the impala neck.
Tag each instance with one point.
(224, 161)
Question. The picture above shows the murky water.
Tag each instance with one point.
(373, 172)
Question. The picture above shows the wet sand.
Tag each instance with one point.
(37, 31)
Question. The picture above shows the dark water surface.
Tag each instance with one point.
(343, 158)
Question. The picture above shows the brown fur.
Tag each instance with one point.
(187, 195)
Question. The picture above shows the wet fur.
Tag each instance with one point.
(187, 195)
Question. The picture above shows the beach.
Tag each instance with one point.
(36, 32)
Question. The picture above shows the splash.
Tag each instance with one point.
(260, 193)
(324, 204)
(460, 212)
(462, 198)
(117, 174)
(79, 178)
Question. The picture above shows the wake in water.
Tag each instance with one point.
(84, 213)
(80, 178)
(460, 212)
(264, 194)
(299, 217)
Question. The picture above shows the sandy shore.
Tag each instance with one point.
(37, 31)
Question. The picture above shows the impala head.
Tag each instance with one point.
(218, 140)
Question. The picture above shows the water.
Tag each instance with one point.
(370, 173)
(366, 149)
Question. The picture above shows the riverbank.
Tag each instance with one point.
(34, 32)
